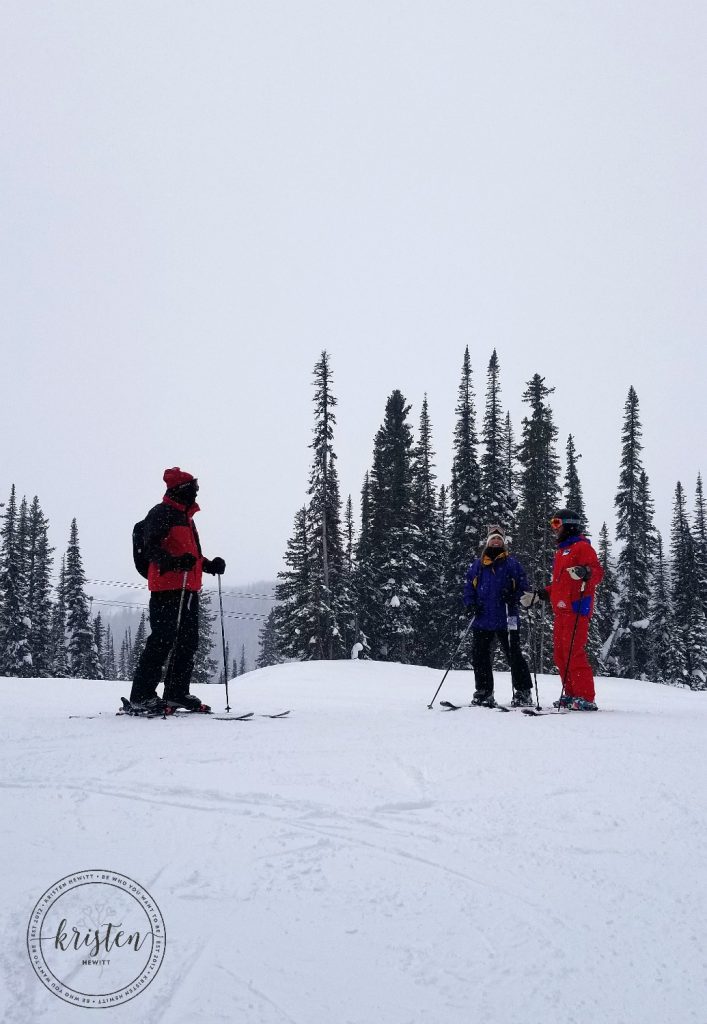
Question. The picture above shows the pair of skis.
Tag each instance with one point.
(184, 713)
(447, 705)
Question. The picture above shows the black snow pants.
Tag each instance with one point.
(483, 643)
(164, 610)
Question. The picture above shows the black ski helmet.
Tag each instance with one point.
(565, 517)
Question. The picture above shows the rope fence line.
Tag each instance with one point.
(248, 616)
(229, 591)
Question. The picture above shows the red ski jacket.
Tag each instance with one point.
(565, 593)
(169, 533)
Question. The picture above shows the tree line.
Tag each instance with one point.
(48, 630)
(391, 580)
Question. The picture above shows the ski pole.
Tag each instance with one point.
(454, 658)
(223, 641)
(569, 653)
(172, 653)
(531, 630)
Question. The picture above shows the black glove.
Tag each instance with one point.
(214, 566)
(184, 562)
(472, 610)
(579, 572)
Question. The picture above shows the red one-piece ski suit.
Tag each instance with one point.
(573, 602)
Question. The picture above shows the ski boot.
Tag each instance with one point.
(522, 699)
(580, 704)
(188, 702)
(483, 700)
(565, 701)
(151, 707)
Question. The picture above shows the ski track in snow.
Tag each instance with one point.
(368, 861)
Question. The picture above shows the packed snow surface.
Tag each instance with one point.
(367, 860)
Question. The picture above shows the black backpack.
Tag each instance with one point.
(142, 562)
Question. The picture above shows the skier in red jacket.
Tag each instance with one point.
(576, 573)
(174, 579)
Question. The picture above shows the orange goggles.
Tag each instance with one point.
(556, 523)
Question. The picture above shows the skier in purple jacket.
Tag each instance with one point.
(492, 591)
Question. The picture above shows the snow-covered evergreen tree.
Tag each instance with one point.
(268, 653)
(539, 496)
(573, 497)
(126, 669)
(466, 515)
(494, 489)
(326, 557)
(634, 528)
(15, 625)
(205, 665)
(139, 641)
(428, 552)
(688, 614)
(81, 648)
(294, 618)
(99, 639)
(387, 559)
(242, 665)
(39, 602)
(665, 664)
(511, 478)
(604, 619)
(108, 665)
(59, 659)
(699, 533)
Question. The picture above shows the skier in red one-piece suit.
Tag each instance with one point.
(576, 573)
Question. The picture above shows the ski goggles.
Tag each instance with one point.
(556, 523)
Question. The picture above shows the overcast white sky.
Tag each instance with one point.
(196, 198)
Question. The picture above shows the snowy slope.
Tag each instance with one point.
(368, 861)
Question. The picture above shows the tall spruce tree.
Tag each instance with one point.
(466, 526)
(634, 529)
(39, 602)
(242, 669)
(294, 619)
(387, 559)
(109, 665)
(205, 665)
(268, 653)
(539, 496)
(59, 659)
(666, 664)
(428, 551)
(140, 640)
(688, 614)
(573, 496)
(511, 477)
(604, 618)
(15, 625)
(81, 648)
(99, 636)
(498, 501)
(326, 570)
(699, 533)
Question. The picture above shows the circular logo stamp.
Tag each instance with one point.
(96, 939)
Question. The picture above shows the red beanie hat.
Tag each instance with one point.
(175, 477)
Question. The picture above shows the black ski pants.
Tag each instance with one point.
(164, 611)
(482, 647)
